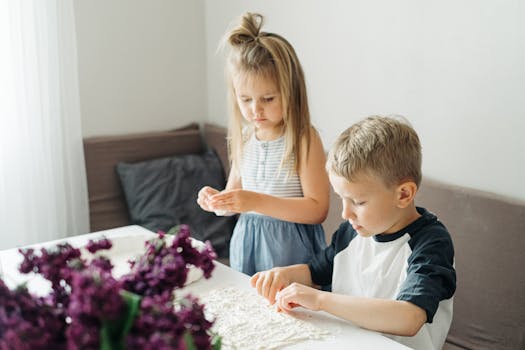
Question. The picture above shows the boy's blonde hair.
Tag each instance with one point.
(270, 56)
(386, 147)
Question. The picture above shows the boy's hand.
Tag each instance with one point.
(297, 294)
(269, 282)
(234, 201)
(204, 197)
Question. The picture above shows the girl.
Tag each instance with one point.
(278, 181)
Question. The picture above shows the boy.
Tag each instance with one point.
(391, 263)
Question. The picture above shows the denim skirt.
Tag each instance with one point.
(261, 242)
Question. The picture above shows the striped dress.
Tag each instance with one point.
(261, 242)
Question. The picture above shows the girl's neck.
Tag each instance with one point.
(269, 135)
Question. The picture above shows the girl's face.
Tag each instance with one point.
(259, 101)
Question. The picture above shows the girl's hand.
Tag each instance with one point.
(234, 201)
(204, 197)
(270, 282)
(299, 295)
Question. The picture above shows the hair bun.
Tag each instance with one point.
(248, 29)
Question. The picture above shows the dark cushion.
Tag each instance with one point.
(107, 206)
(162, 193)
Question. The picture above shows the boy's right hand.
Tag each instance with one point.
(203, 198)
(269, 282)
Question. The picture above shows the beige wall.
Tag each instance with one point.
(141, 64)
(456, 69)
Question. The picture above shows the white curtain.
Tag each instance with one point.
(43, 191)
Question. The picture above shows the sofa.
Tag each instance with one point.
(152, 179)
(488, 231)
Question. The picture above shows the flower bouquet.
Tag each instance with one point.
(88, 308)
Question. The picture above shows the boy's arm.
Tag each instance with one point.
(430, 278)
(396, 317)
(269, 282)
(382, 315)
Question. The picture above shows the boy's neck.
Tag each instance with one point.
(409, 215)
(413, 214)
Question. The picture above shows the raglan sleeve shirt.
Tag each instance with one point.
(431, 276)
(322, 265)
(427, 276)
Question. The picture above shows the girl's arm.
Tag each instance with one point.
(312, 208)
(396, 317)
(206, 193)
(234, 180)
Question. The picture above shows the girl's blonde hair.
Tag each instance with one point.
(271, 56)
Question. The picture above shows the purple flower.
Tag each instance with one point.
(160, 269)
(28, 322)
(191, 314)
(83, 333)
(102, 263)
(94, 246)
(55, 265)
(95, 294)
(162, 325)
(202, 260)
(86, 298)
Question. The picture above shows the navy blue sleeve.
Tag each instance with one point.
(322, 265)
(431, 276)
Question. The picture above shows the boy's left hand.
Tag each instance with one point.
(297, 294)
(235, 201)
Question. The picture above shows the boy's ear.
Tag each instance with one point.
(406, 192)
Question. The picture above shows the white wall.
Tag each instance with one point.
(456, 69)
(142, 64)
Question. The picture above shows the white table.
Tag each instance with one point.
(129, 240)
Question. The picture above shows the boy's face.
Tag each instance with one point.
(369, 205)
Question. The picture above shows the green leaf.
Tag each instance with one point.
(216, 342)
(133, 302)
(106, 342)
(113, 333)
(22, 287)
(188, 339)
(174, 230)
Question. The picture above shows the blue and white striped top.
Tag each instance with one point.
(261, 171)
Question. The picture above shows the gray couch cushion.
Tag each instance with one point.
(162, 193)
(107, 206)
(489, 238)
(449, 346)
